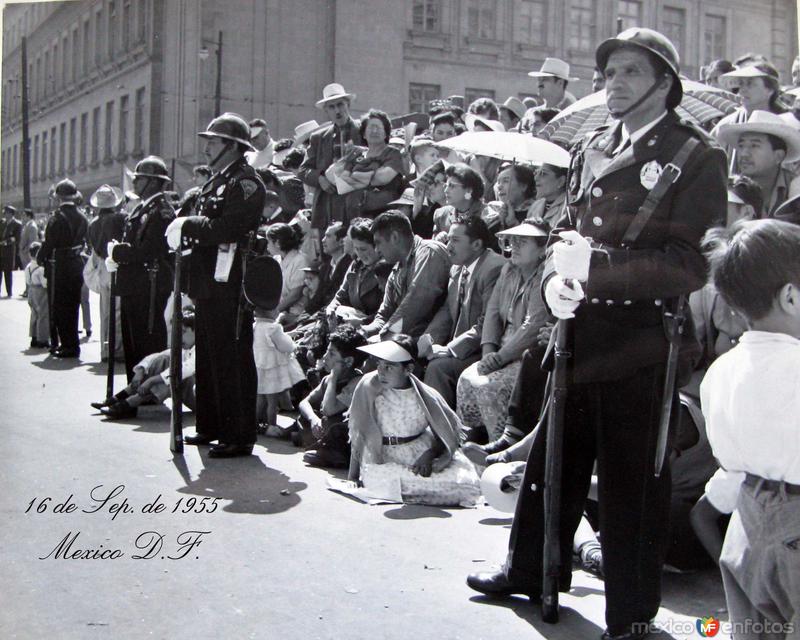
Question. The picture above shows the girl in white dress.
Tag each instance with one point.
(403, 432)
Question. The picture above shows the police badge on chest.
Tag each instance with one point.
(650, 174)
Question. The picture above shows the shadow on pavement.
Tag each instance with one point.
(234, 480)
(60, 364)
(497, 521)
(415, 512)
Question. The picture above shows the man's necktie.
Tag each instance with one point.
(463, 281)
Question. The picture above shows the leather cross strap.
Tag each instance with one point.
(669, 176)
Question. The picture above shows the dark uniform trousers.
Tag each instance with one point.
(616, 423)
(619, 352)
(227, 381)
(137, 340)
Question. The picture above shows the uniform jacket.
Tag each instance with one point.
(618, 328)
(10, 244)
(464, 338)
(323, 150)
(144, 247)
(228, 208)
(64, 238)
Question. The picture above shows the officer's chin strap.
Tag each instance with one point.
(219, 155)
(620, 114)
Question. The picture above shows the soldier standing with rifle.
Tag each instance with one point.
(642, 193)
(142, 264)
(227, 210)
(64, 238)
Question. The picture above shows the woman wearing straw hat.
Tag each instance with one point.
(107, 226)
(402, 433)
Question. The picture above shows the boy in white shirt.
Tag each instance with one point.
(751, 401)
(36, 286)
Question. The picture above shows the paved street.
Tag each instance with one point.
(280, 556)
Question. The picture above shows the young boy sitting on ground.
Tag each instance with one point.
(751, 401)
(322, 411)
(151, 382)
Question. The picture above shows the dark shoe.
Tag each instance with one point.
(628, 635)
(591, 556)
(88, 333)
(230, 450)
(119, 411)
(477, 435)
(199, 439)
(497, 585)
(326, 458)
(105, 403)
(501, 444)
(67, 353)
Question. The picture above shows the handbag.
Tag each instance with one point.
(91, 273)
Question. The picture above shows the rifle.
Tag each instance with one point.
(112, 336)
(675, 329)
(152, 272)
(251, 242)
(176, 362)
(552, 480)
(51, 283)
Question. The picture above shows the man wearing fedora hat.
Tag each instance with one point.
(325, 147)
(553, 79)
(763, 144)
(645, 189)
(228, 210)
(107, 226)
(144, 271)
(261, 156)
(60, 254)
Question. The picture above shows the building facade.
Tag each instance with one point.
(113, 80)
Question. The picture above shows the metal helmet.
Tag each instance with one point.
(65, 189)
(649, 40)
(151, 167)
(229, 126)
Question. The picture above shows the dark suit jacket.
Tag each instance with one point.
(323, 150)
(10, 244)
(464, 339)
(619, 328)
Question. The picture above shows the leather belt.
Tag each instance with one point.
(757, 482)
(393, 440)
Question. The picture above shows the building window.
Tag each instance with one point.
(47, 76)
(95, 136)
(674, 20)
(52, 152)
(62, 146)
(471, 95)
(112, 27)
(141, 15)
(84, 140)
(58, 78)
(76, 46)
(629, 12)
(35, 164)
(123, 125)
(15, 165)
(583, 25)
(420, 94)
(73, 125)
(43, 166)
(85, 49)
(715, 37)
(138, 122)
(126, 24)
(530, 22)
(109, 130)
(427, 15)
(38, 79)
(65, 58)
(99, 37)
(481, 18)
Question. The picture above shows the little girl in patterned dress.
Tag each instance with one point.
(277, 367)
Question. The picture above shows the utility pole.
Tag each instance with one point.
(26, 141)
(218, 91)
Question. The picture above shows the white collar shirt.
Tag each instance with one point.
(639, 133)
(751, 402)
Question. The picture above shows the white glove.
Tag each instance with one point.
(111, 266)
(173, 233)
(563, 298)
(110, 247)
(572, 255)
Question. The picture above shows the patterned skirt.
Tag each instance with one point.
(483, 400)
